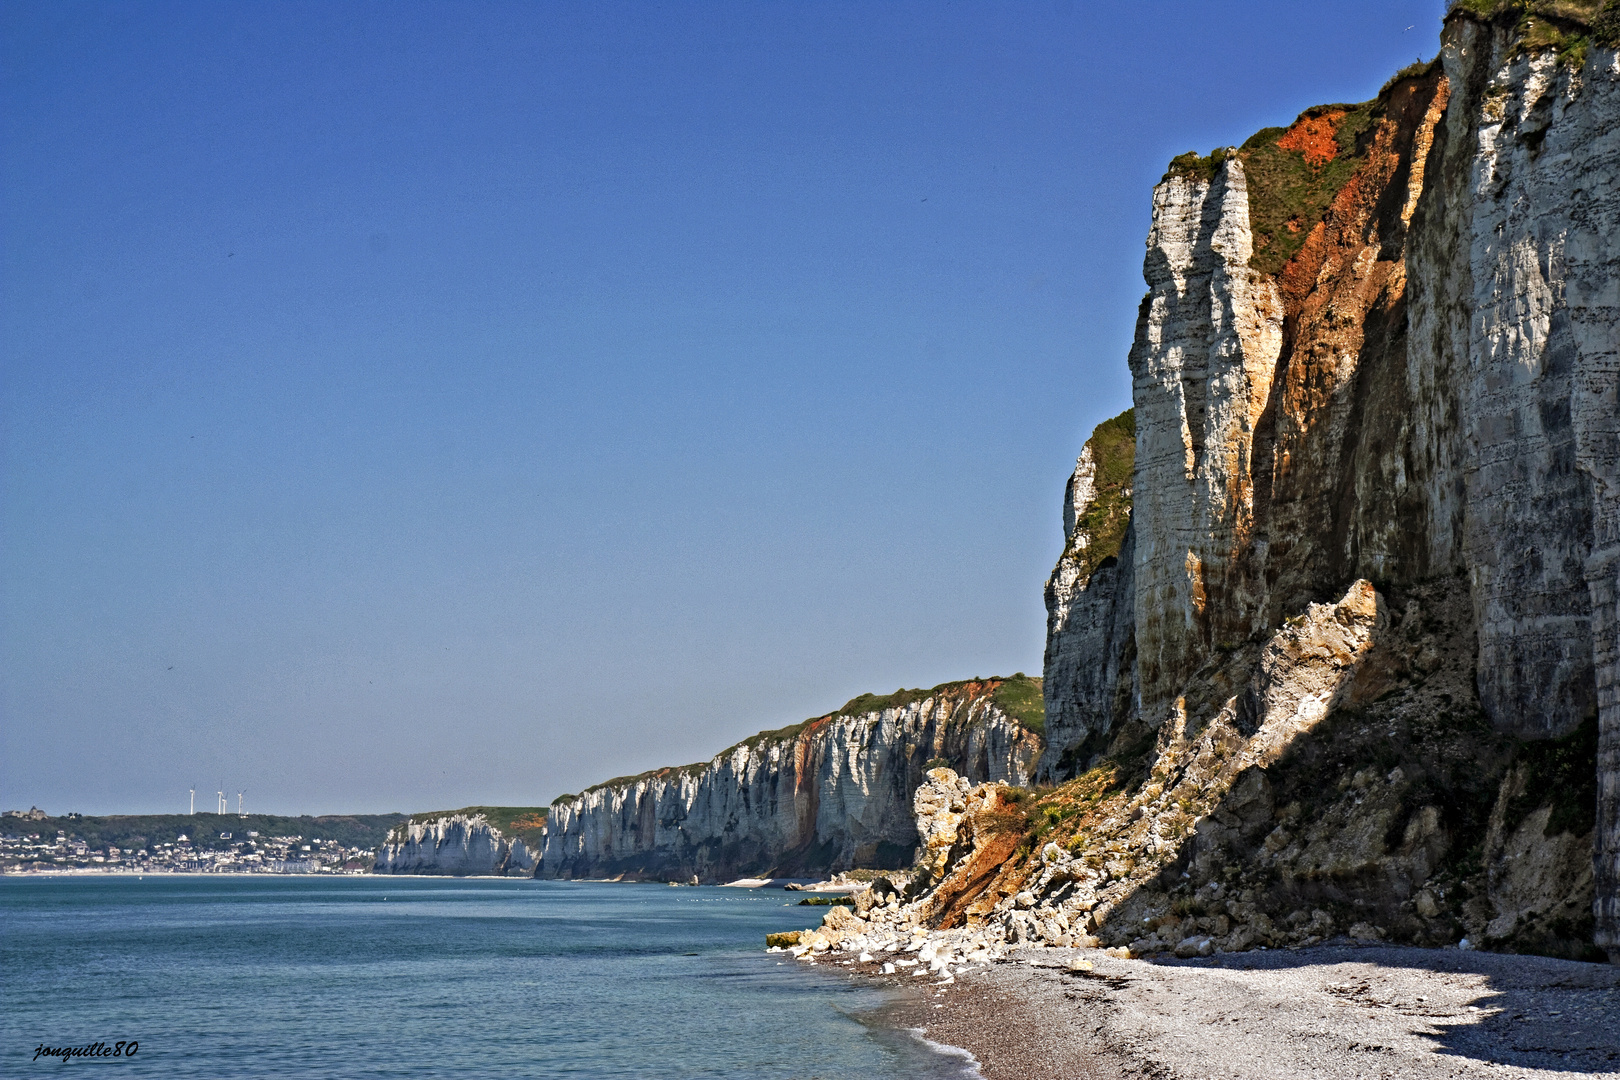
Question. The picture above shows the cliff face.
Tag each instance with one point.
(456, 845)
(1255, 392)
(1090, 604)
(1533, 194)
(832, 794)
(1205, 353)
(1378, 348)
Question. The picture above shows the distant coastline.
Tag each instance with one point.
(125, 872)
(39, 843)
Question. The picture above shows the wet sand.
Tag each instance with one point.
(1331, 1012)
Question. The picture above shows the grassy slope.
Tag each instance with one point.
(1289, 194)
(1569, 26)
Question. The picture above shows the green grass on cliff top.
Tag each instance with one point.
(1103, 525)
(1565, 25)
(1019, 696)
(1287, 197)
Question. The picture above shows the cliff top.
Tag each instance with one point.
(1019, 696)
(1295, 172)
(1566, 25)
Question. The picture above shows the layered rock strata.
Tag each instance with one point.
(457, 845)
(1533, 194)
(830, 794)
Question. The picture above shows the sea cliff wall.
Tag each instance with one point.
(830, 794)
(1531, 187)
(1377, 359)
(458, 845)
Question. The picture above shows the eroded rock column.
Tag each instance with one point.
(1207, 343)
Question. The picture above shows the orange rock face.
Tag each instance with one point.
(1314, 136)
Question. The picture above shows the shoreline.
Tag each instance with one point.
(1337, 1012)
(178, 873)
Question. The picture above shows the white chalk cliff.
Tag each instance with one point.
(831, 794)
(457, 845)
(1413, 384)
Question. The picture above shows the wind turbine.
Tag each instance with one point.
(221, 794)
(239, 805)
(194, 801)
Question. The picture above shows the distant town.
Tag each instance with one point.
(32, 841)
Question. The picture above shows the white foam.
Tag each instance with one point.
(971, 1062)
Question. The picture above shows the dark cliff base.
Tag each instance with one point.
(1402, 816)
(1400, 812)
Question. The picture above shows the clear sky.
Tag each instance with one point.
(415, 405)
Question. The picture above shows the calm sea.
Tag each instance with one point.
(383, 977)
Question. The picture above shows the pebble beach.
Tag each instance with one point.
(1335, 1012)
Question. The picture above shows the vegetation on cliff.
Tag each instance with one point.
(1100, 528)
(1018, 696)
(1295, 172)
(694, 769)
(1569, 26)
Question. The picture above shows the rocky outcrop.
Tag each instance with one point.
(457, 845)
(1378, 345)
(1324, 783)
(830, 794)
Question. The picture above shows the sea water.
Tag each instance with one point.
(261, 976)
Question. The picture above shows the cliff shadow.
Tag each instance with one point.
(1341, 779)
(1522, 1012)
(1400, 815)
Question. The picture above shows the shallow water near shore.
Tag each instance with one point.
(383, 977)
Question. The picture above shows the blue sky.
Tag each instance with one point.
(415, 405)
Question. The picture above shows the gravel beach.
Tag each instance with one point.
(1327, 1012)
